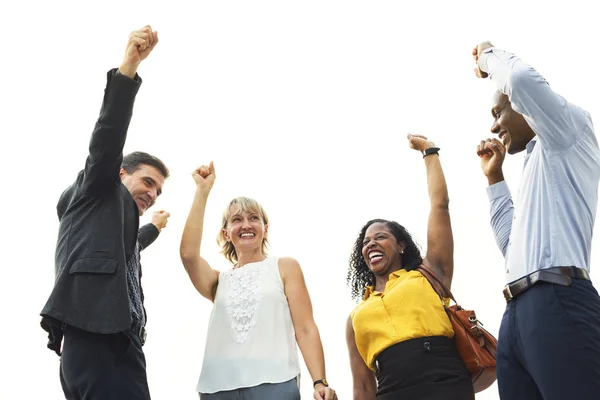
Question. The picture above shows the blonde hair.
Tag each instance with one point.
(236, 206)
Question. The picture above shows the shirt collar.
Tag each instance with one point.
(529, 149)
(529, 146)
(370, 290)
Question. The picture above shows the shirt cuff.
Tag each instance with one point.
(498, 190)
(136, 78)
(482, 61)
(154, 229)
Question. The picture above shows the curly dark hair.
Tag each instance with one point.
(359, 274)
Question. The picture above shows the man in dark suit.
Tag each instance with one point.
(96, 305)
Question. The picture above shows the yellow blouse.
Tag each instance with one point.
(408, 308)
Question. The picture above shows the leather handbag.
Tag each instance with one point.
(475, 345)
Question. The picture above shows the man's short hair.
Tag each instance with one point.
(133, 161)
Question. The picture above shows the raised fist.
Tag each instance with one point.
(139, 46)
(204, 177)
(419, 142)
(480, 48)
(492, 153)
(160, 219)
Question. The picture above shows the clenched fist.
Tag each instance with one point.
(492, 152)
(160, 219)
(419, 142)
(480, 48)
(139, 46)
(204, 177)
(324, 393)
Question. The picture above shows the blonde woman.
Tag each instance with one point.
(261, 308)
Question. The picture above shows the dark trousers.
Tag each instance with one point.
(94, 366)
(549, 344)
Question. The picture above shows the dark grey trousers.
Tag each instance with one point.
(97, 367)
(267, 391)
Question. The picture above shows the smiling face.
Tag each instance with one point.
(381, 251)
(509, 125)
(145, 185)
(244, 228)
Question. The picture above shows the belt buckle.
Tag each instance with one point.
(508, 296)
(142, 334)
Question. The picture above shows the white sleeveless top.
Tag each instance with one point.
(251, 338)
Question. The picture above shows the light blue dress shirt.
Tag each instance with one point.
(551, 220)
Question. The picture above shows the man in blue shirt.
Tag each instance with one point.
(549, 341)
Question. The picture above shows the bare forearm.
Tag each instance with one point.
(129, 69)
(495, 178)
(311, 347)
(436, 182)
(192, 233)
(363, 394)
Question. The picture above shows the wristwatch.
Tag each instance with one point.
(321, 381)
(431, 150)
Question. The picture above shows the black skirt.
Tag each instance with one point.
(427, 368)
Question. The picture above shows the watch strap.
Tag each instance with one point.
(431, 150)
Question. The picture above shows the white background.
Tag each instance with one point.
(302, 105)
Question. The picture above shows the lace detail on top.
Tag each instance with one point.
(244, 298)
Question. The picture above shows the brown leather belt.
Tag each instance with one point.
(558, 275)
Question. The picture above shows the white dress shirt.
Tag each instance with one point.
(552, 219)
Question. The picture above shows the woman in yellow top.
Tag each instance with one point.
(399, 337)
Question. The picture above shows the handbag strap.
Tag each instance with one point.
(435, 281)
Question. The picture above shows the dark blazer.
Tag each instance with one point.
(99, 223)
